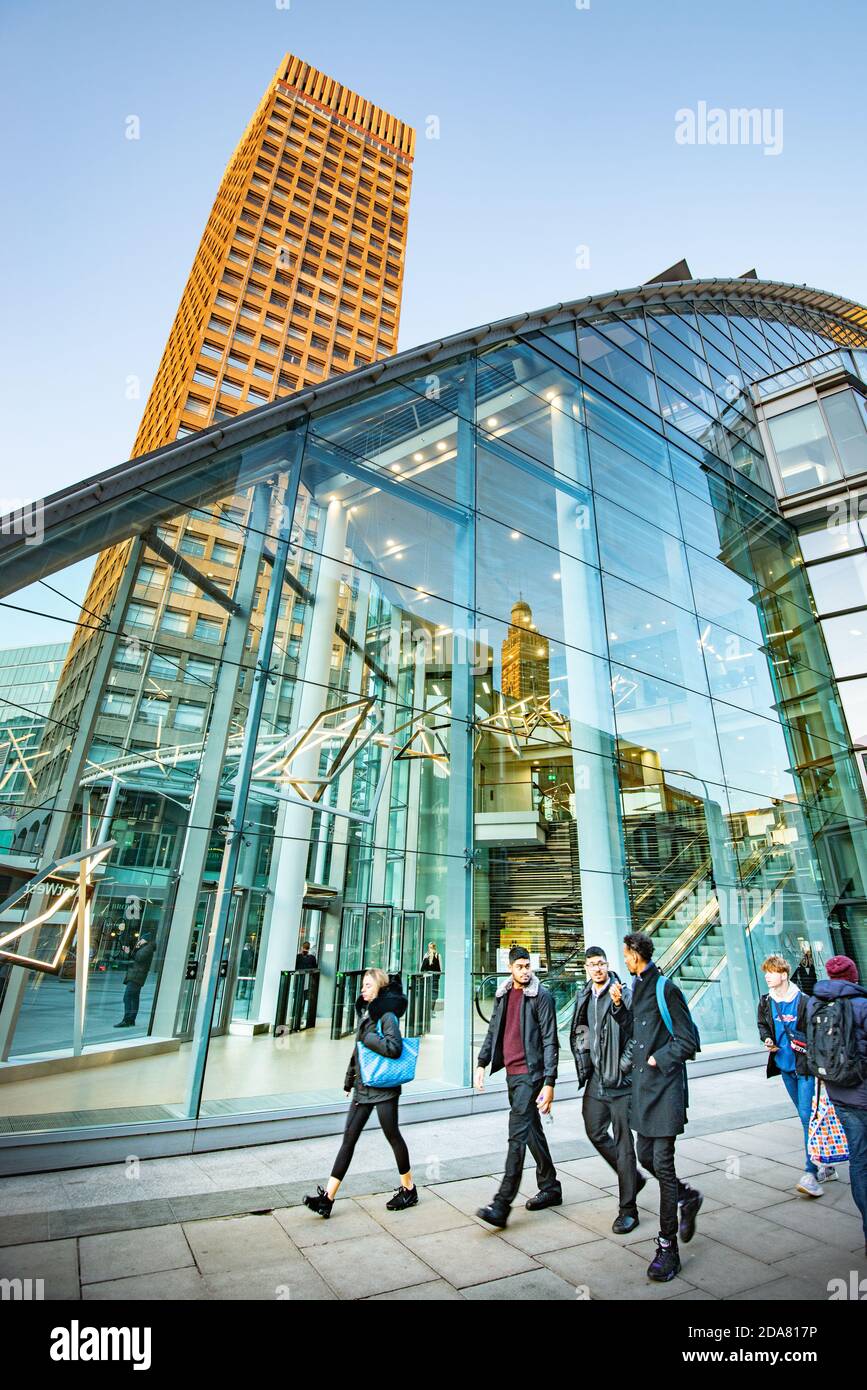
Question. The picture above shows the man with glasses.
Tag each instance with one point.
(602, 1049)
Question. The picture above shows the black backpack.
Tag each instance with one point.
(832, 1043)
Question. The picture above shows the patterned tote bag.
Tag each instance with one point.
(827, 1139)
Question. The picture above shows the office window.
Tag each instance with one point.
(140, 614)
(117, 703)
(174, 620)
(189, 715)
(804, 451)
(207, 630)
(152, 709)
(197, 669)
(192, 544)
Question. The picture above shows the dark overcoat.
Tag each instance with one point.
(658, 1099)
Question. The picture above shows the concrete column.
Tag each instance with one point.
(605, 903)
(294, 824)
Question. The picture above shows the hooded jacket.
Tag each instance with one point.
(614, 1046)
(538, 1031)
(388, 1006)
(856, 1096)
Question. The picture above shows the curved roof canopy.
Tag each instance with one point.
(205, 464)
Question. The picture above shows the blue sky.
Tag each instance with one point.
(556, 130)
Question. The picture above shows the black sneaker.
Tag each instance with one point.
(548, 1197)
(624, 1223)
(496, 1214)
(689, 1210)
(321, 1203)
(404, 1197)
(665, 1263)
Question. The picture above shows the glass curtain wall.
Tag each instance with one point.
(513, 649)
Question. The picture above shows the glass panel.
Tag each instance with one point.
(854, 697)
(846, 414)
(653, 636)
(847, 642)
(839, 584)
(804, 452)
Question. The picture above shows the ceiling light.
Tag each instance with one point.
(516, 535)
(442, 446)
(418, 458)
(492, 422)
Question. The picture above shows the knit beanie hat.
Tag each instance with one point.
(842, 968)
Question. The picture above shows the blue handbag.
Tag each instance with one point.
(376, 1070)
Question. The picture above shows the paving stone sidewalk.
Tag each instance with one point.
(230, 1225)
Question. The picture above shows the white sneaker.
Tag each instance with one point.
(809, 1186)
(828, 1173)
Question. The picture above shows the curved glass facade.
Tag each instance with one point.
(514, 647)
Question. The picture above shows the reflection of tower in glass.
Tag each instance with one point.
(526, 670)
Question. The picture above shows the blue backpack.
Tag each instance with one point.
(665, 1012)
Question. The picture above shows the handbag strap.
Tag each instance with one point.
(779, 1017)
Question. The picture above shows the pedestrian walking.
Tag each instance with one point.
(522, 1037)
(603, 1050)
(837, 1051)
(665, 1039)
(782, 1023)
(378, 1008)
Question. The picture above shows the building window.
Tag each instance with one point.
(197, 669)
(804, 452)
(117, 703)
(152, 710)
(189, 715)
(140, 614)
(192, 544)
(164, 667)
(207, 630)
(223, 554)
(174, 620)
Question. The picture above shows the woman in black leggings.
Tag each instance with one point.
(379, 1003)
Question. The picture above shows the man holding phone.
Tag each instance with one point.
(602, 1048)
(522, 1037)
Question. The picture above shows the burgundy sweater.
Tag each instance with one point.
(513, 1041)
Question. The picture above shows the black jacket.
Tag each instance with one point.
(539, 1032)
(385, 1009)
(658, 1098)
(767, 1029)
(615, 1047)
(139, 964)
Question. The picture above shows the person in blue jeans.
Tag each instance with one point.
(850, 1102)
(782, 1022)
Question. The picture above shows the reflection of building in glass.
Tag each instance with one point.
(525, 657)
(28, 678)
(375, 746)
